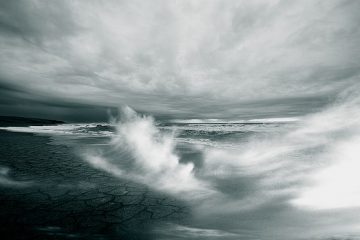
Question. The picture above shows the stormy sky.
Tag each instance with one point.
(74, 60)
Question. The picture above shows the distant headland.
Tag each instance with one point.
(7, 121)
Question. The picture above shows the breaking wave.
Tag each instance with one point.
(80, 129)
(303, 170)
(310, 162)
(307, 169)
(144, 154)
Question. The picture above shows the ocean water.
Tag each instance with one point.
(278, 178)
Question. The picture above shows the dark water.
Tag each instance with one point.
(48, 192)
(140, 179)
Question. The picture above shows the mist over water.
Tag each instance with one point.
(277, 178)
(149, 157)
(249, 181)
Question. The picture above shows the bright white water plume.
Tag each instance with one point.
(309, 167)
(153, 160)
(296, 173)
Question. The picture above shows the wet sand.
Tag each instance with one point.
(48, 192)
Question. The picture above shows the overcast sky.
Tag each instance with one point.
(178, 59)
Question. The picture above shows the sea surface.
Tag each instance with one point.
(141, 178)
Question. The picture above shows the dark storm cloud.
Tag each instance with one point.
(215, 59)
(17, 102)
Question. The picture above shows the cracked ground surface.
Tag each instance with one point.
(47, 192)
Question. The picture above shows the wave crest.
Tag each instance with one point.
(146, 155)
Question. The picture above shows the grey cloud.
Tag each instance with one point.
(18, 102)
(188, 58)
(36, 20)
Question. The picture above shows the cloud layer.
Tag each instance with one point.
(183, 58)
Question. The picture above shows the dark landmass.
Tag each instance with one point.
(11, 121)
(48, 192)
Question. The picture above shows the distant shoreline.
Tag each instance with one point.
(12, 121)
